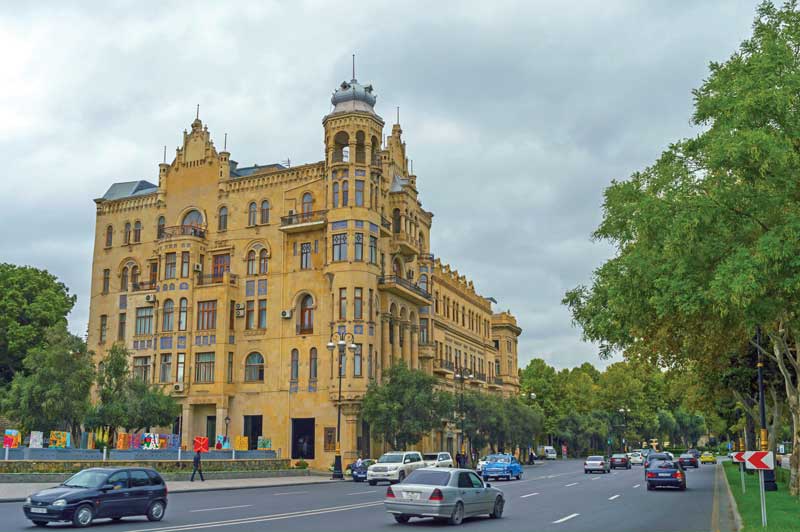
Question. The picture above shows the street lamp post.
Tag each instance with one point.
(462, 376)
(341, 344)
(227, 422)
(624, 412)
(769, 475)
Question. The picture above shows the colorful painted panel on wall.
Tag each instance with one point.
(222, 442)
(241, 443)
(200, 444)
(264, 443)
(136, 441)
(12, 439)
(123, 441)
(149, 441)
(59, 439)
(37, 439)
(173, 441)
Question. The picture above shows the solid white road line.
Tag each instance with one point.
(567, 518)
(528, 495)
(636, 485)
(362, 492)
(290, 493)
(613, 497)
(570, 485)
(222, 508)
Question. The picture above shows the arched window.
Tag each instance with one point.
(360, 147)
(341, 148)
(251, 262)
(160, 227)
(295, 364)
(396, 220)
(222, 222)
(345, 189)
(254, 368)
(123, 282)
(137, 232)
(168, 320)
(265, 212)
(109, 236)
(308, 203)
(306, 325)
(135, 277)
(423, 282)
(312, 364)
(336, 194)
(184, 307)
(252, 214)
(127, 235)
(193, 218)
(263, 262)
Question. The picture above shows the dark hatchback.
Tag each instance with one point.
(620, 460)
(100, 493)
(360, 473)
(689, 460)
(665, 473)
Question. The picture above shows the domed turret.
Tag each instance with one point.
(352, 96)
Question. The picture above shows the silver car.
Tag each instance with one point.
(444, 494)
(596, 463)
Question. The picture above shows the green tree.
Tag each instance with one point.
(31, 301)
(53, 391)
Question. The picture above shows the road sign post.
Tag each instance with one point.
(738, 457)
(761, 461)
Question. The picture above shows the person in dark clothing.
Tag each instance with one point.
(531, 458)
(198, 467)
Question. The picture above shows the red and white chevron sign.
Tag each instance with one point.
(738, 457)
(759, 460)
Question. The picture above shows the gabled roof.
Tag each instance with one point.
(398, 183)
(250, 170)
(129, 189)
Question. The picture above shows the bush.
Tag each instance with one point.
(301, 464)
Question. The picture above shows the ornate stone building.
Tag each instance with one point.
(227, 283)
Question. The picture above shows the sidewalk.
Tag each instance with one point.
(17, 492)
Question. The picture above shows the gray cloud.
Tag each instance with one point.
(517, 116)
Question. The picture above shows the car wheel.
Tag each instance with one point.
(683, 487)
(519, 476)
(499, 504)
(83, 516)
(458, 514)
(156, 511)
(372, 482)
(40, 523)
(402, 519)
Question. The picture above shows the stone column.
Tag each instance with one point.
(414, 347)
(407, 344)
(396, 344)
(222, 411)
(385, 347)
(187, 430)
(349, 443)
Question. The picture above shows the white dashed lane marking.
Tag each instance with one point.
(528, 495)
(636, 485)
(613, 497)
(222, 508)
(567, 518)
(362, 492)
(570, 485)
(290, 493)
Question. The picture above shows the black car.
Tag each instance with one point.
(99, 493)
(665, 473)
(655, 457)
(689, 460)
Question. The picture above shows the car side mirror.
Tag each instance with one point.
(407, 461)
(488, 485)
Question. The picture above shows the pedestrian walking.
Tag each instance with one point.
(198, 467)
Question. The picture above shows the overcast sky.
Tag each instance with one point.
(516, 114)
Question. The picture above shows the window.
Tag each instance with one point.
(345, 190)
(109, 236)
(423, 331)
(168, 311)
(206, 315)
(160, 227)
(357, 303)
(139, 479)
(343, 364)
(106, 280)
(184, 264)
(359, 193)
(204, 367)
(509, 346)
(263, 262)
(369, 306)
(307, 315)
(194, 219)
(127, 234)
(396, 221)
(141, 368)
(251, 262)
(358, 250)
(312, 364)
(370, 367)
(308, 203)
(295, 364)
(343, 303)
(222, 220)
(230, 368)
(336, 194)
(357, 361)
(121, 327)
(340, 247)
(144, 321)
(252, 214)
(305, 256)
(171, 266)
(135, 277)
(103, 328)
(123, 280)
(373, 250)
(423, 282)
(184, 305)
(166, 368)
(250, 315)
(254, 368)
(181, 365)
(262, 313)
(265, 212)
(330, 439)
(153, 272)
(137, 232)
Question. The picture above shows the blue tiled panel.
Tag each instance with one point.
(342, 330)
(373, 228)
(358, 329)
(359, 223)
(166, 342)
(181, 342)
(262, 287)
(184, 286)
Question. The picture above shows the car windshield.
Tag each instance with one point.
(595, 459)
(428, 477)
(619, 456)
(428, 456)
(87, 479)
(666, 464)
(499, 458)
(390, 459)
(687, 455)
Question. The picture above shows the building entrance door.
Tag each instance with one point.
(253, 430)
(303, 438)
(211, 430)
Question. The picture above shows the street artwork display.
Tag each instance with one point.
(11, 439)
(173, 441)
(123, 441)
(264, 443)
(149, 441)
(222, 442)
(200, 444)
(136, 441)
(241, 443)
(59, 439)
(37, 439)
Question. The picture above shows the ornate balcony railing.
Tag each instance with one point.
(141, 286)
(480, 376)
(498, 381)
(303, 218)
(405, 283)
(426, 256)
(182, 230)
(443, 364)
(217, 278)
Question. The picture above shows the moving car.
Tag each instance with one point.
(481, 463)
(596, 463)
(620, 460)
(444, 494)
(708, 458)
(688, 460)
(548, 452)
(502, 466)
(99, 493)
(654, 457)
(359, 473)
(394, 466)
(440, 459)
(665, 473)
(694, 452)
(636, 458)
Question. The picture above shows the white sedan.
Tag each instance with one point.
(636, 458)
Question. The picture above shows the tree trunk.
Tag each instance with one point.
(776, 419)
(794, 461)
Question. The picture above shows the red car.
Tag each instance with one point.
(620, 460)
(689, 460)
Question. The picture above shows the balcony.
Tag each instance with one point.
(405, 289)
(143, 286)
(427, 349)
(406, 244)
(426, 257)
(386, 226)
(479, 377)
(304, 221)
(169, 233)
(444, 367)
(209, 279)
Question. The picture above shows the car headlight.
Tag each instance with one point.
(60, 502)
(28, 500)
(392, 468)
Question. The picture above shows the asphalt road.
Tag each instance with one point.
(554, 496)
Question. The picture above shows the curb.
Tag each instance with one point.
(222, 488)
(737, 519)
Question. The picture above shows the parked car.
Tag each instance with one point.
(394, 466)
(636, 458)
(620, 460)
(440, 459)
(688, 460)
(359, 473)
(708, 458)
(444, 494)
(665, 473)
(100, 493)
(481, 463)
(596, 463)
(502, 466)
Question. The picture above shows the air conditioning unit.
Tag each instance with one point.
(239, 306)
(150, 298)
(198, 267)
(177, 387)
(286, 314)
(240, 313)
